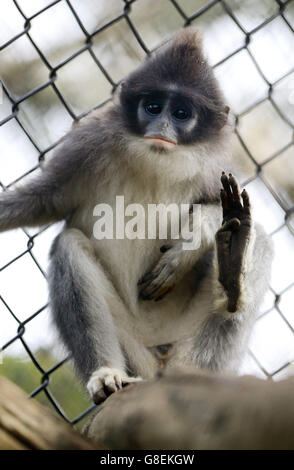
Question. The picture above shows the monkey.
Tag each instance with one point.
(125, 307)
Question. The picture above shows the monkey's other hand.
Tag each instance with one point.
(170, 268)
(105, 381)
(233, 238)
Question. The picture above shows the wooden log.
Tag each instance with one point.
(181, 409)
(25, 424)
(184, 409)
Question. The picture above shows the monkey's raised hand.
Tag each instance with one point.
(232, 239)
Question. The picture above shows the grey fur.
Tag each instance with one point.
(91, 338)
(223, 338)
(95, 301)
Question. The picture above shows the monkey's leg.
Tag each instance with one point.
(233, 291)
(78, 290)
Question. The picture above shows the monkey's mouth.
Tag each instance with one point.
(160, 141)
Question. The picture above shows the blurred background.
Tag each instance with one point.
(60, 59)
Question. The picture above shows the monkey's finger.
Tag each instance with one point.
(235, 188)
(233, 298)
(153, 292)
(230, 226)
(167, 291)
(166, 287)
(146, 278)
(150, 276)
(227, 187)
(154, 280)
(224, 199)
(232, 306)
(151, 289)
(246, 202)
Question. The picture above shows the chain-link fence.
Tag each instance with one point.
(251, 47)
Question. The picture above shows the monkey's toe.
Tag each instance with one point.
(105, 381)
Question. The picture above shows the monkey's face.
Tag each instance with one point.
(169, 117)
(173, 99)
(166, 119)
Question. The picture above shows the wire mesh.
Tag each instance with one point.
(187, 14)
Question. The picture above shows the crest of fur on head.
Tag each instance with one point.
(179, 65)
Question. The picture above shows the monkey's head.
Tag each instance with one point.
(173, 98)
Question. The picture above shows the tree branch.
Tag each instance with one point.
(185, 409)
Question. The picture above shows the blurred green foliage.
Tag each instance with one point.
(63, 383)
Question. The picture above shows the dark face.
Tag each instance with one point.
(173, 98)
(166, 119)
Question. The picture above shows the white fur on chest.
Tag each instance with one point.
(126, 260)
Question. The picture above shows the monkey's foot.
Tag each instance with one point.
(157, 283)
(232, 239)
(105, 381)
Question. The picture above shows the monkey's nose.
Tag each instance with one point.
(162, 126)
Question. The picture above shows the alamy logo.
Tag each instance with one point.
(154, 221)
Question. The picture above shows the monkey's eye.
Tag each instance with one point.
(181, 114)
(153, 108)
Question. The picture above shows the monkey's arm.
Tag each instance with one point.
(57, 190)
(32, 204)
(237, 284)
(223, 337)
